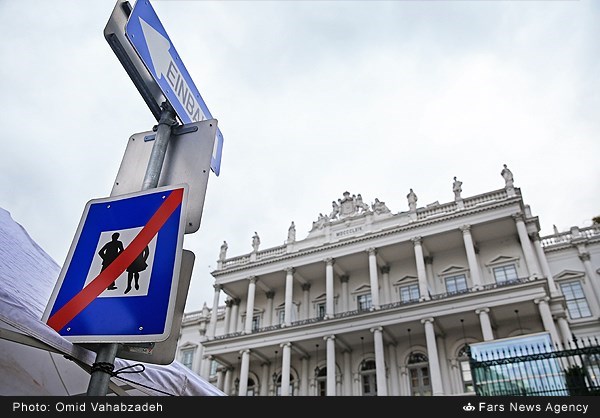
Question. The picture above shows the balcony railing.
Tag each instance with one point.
(575, 233)
(387, 306)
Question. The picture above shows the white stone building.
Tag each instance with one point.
(377, 302)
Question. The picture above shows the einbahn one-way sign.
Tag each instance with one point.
(153, 45)
(120, 278)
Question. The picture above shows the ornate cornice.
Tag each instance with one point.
(390, 231)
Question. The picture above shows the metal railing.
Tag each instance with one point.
(385, 307)
(538, 370)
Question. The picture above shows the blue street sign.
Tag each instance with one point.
(154, 47)
(119, 281)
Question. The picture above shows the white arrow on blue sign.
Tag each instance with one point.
(154, 47)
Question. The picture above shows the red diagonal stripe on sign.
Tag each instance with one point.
(90, 292)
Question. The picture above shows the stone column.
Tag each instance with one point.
(547, 320)
(244, 369)
(429, 271)
(374, 280)
(305, 300)
(526, 244)
(221, 377)
(405, 381)
(250, 303)
(541, 255)
(289, 293)
(235, 314)
(565, 330)
(227, 382)
(264, 384)
(387, 288)
(347, 373)
(227, 320)
(198, 368)
(434, 361)
(394, 377)
(304, 376)
(486, 325)
(285, 368)
(269, 311)
(214, 313)
(329, 312)
(205, 366)
(379, 361)
(421, 273)
(584, 256)
(471, 256)
(330, 340)
(344, 280)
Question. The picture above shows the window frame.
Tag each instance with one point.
(569, 301)
(412, 287)
(454, 277)
(503, 267)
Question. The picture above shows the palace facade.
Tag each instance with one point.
(377, 302)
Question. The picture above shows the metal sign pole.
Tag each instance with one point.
(106, 353)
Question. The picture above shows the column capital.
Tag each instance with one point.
(236, 301)
(417, 240)
(559, 315)
(253, 279)
(482, 310)
(385, 269)
(245, 351)
(218, 287)
(270, 294)
(286, 344)
(305, 286)
(289, 270)
(329, 261)
(372, 250)
(518, 217)
(427, 320)
(541, 300)
(584, 256)
(228, 303)
(380, 329)
(344, 278)
(329, 337)
(535, 236)
(428, 259)
(465, 228)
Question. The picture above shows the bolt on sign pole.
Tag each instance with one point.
(106, 353)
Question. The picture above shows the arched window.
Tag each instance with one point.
(418, 371)
(368, 378)
(251, 391)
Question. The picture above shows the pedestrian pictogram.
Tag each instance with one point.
(120, 279)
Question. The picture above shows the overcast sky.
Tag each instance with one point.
(314, 98)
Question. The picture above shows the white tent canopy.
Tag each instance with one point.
(35, 360)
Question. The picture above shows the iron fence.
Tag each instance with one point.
(538, 370)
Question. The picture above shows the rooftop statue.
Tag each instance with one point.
(457, 188)
(508, 177)
(223, 252)
(292, 233)
(380, 207)
(412, 200)
(255, 242)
